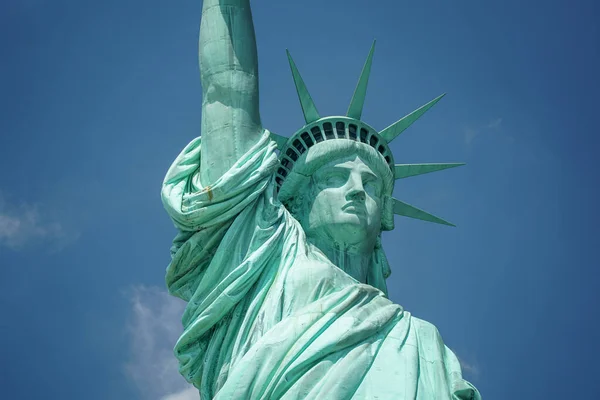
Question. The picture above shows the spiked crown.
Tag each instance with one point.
(351, 128)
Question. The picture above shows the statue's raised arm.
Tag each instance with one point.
(229, 74)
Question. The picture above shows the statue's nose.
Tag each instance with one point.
(356, 191)
(358, 195)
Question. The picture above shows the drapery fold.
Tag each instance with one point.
(269, 316)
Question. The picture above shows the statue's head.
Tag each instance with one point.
(337, 184)
(337, 174)
(345, 205)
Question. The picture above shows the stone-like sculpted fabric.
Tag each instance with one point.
(269, 316)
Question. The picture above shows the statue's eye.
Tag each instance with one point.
(335, 179)
(372, 186)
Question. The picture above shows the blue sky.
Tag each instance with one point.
(97, 98)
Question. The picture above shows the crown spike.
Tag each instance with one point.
(308, 106)
(358, 99)
(392, 131)
(407, 170)
(406, 210)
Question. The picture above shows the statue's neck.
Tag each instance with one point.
(353, 261)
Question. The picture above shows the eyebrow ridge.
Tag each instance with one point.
(362, 172)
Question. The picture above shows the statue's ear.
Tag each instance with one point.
(387, 213)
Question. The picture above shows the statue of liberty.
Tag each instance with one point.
(279, 251)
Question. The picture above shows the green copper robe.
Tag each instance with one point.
(269, 316)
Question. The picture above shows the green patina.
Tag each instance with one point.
(279, 252)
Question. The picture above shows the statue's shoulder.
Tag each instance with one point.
(430, 343)
(423, 326)
(437, 359)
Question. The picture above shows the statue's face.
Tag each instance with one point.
(347, 204)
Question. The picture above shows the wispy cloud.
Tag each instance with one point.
(190, 393)
(495, 124)
(154, 327)
(24, 224)
(492, 126)
(470, 134)
(470, 369)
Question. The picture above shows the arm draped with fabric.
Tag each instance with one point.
(220, 173)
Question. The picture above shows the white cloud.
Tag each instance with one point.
(26, 224)
(470, 369)
(470, 134)
(154, 327)
(494, 125)
(186, 394)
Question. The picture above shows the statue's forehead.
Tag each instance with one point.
(350, 162)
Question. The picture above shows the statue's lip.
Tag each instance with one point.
(354, 207)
